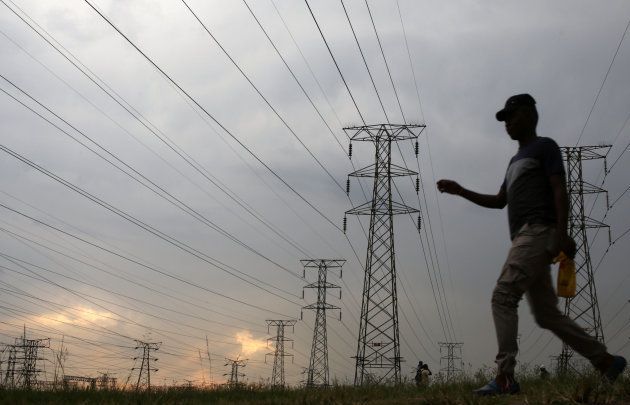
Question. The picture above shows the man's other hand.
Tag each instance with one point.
(449, 186)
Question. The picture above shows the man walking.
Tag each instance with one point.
(534, 191)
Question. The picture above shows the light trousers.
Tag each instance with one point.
(527, 271)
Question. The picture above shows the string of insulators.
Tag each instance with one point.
(417, 185)
(419, 222)
(417, 148)
(350, 150)
(345, 223)
(348, 186)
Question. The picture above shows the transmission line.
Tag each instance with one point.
(160, 307)
(623, 36)
(347, 87)
(163, 138)
(398, 146)
(182, 280)
(171, 199)
(247, 149)
(182, 246)
(356, 40)
(117, 275)
(389, 73)
(284, 122)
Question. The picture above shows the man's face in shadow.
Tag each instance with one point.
(520, 123)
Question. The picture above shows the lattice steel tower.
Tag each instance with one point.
(583, 308)
(318, 372)
(144, 371)
(234, 374)
(452, 358)
(277, 376)
(26, 354)
(378, 347)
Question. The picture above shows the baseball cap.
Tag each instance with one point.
(513, 103)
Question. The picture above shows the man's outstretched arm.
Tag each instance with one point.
(485, 200)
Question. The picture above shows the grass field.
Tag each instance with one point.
(585, 390)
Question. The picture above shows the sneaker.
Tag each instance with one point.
(615, 369)
(493, 388)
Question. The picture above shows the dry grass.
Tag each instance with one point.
(576, 390)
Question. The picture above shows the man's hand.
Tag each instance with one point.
(449, 186)
(566, 244)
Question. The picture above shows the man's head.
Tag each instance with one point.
(520, 116)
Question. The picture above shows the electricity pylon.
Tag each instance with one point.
(25, 352)
(234, 374)
(145, 368)
(583, 307)
(451, 358)
(277, 376)
(318, 372)
(9, 376)
(378, 346)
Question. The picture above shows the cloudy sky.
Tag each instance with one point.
(176, 209)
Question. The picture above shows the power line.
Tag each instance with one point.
(356, 40)
(443, 292)
(352, 97)
(162, 192)
(334, 61)
(389, 73)
(160, 307)
(247, 149)
(161, 136)
(293, 75)
(310, 100)
(623, 36)
(169, 239)
(190, 283)
(117, 274)
(284, 122)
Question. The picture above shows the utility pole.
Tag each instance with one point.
(451, 358)
(234, 374)
(318, 373)
(145, 368)
(583, 307)
(277, 377)
(378, 347)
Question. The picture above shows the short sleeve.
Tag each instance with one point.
(552, 158)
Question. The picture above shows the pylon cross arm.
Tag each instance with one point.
(395, 171)
(396, 209)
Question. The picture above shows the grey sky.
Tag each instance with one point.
(468, 57)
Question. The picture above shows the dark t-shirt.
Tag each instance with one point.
(529, 194)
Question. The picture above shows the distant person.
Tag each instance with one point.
(418, 377)
(544, 374)
(535, 192)
(425, 375)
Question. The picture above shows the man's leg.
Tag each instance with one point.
(527, 259)
(544, 305)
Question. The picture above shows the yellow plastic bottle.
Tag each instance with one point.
(566, 276)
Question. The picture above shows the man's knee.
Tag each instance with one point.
(502, 297)
(547, 319)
